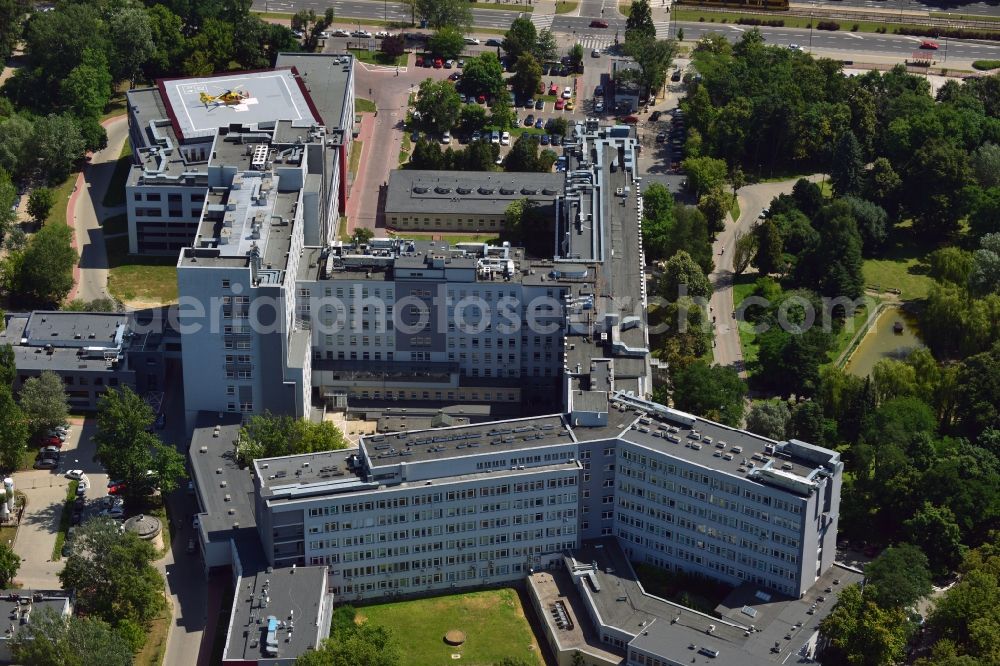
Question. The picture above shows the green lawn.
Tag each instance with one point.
(743, 287)
(355, 160)
(155, 646)
(565, 6)
(983, 65)
(964, 17)
(363, 105)
(696, 15)
(493, 621)
(735, 209)
(138, 279)
(378, 58)
(115, 194)
(405, 148)
(902, 267)
(62, 194)
(625, 8)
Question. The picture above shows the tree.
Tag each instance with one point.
(769, 257)
(268, 436)
(872, 222)
(883, 184)
(978, 400)
(131, 42)
(168, 42)
(483, 75)
(441, 13)
(653, 56)
(13, 431)
(211, 49)
(40, 203)
(985, 164)
(935, 531)
(43, 400)
(789, 363)
(900, 575)
(353, 644)
(640, 20)
(984, 278)
(545, 49)
(682, 276)
(847, 169)
(523, 155)
(704, 174)
(527, 75)
(502, 114)
(745, 247)
(448, 42)
(8, 365)
(54, 147)
(129, 450)
(558, 126)
(45, 273)
(575, 54)
(87, 88)
(833, 266)
(861, 633)
(362, 236)
(520, 38)
(10, 562)
(53, 640)
(8, 196)
(713, 392)
(111, 571)
(807, 423)
(984, 210)
(768, 418)
(439, 105)
(11, 25)
(426, 155)
(714, 205)
(393, 46)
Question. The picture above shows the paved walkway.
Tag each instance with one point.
(752, 199)
(85, 213)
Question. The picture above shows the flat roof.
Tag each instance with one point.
(327, 78)
(65, 355)
(554, 587)
(18, 604)
(263, 96)
(73, 329)
(297, 600)
(213, 465)
(428, 192)
(480, 438)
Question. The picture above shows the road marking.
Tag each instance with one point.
(733, 27)
(851, 34)
(542, 22)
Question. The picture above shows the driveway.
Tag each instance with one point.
(45, 492)
(752, 199)
(86, 213)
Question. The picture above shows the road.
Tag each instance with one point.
(983, 8)
(86, 212)
(752, 199)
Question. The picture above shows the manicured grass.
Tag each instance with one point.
(116, 224)
(985, 64)
(565, 7)
(62, 194)
(734, 210)
(964, 17)
(493, 621)
(132, 278)
(695, 15)
(504, 6)
(342, 229)
(405, 148)
(625, 8)
(743, 287)
(364, 105)
(902, 267)
(378, 58)
(67, 513)
(115, 194)
(153, 650)
(352, 165)
(116, 107)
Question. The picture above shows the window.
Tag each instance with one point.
(225, 284)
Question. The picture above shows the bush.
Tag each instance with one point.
(827, 25)
(854, 28)
(985, 64)
(770, 23)
(954, 33)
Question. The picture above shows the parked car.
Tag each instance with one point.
(341, 33)
(505, 139)
(495, 137)
(381, 34)
(46, 463)
(794, 47)
(49, 452)
(529, 103)
(529, 121)
(556, 140)
(540, 123)
(654, 116)
(449, 64)
(554, 89)
(493, 41)
(113, 512)
(74, 474)
(455, 76)
(481, 99)
(438, 63)
(61, 435)
(446, 138)
(569, 105)
(567, 92)
(560, 104)
(471, 40)
(476, 136)
(676, 76)
(661, 137)
(50, 441)
(539, 105)
(545, 140)
(595, 54)
(116, 489)
(599, 106)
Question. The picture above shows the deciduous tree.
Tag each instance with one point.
(768, 418)
(861, 633)
(714, 392)
(43, 400)
(448, 42)
(439, 105)
(40, 202)
(45, 275)
(545, 49)
(520, 38)
(53, 640)
(13, 431)
(527, 75)
(269, 435)
(483, 75)
(935, 531)
(441, 13)
(900, 575)
(682, 276)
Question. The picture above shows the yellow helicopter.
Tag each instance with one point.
(228, 98)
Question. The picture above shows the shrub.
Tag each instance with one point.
(827, 25)
(985, 64)
(854, 28)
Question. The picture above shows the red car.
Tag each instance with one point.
(481, 99)
(438, 63)
(554, 89)
(560, 103)
(631, 120)
(420, 61)
(928, 44)
(116, 489)
(50, 441)
(597, 23)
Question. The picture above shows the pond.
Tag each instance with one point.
(885, 339)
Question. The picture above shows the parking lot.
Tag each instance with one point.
(45, 493)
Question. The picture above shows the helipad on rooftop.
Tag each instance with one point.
(255, 97)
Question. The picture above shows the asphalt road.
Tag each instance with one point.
(382, 11)
(986, 8)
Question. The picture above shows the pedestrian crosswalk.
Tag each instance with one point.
(599, 42)
(542, 22)
(662, 29)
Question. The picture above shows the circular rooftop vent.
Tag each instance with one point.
(442, 190)
(420, 190)
(485, 190)
(463, 190)
(506, 190)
